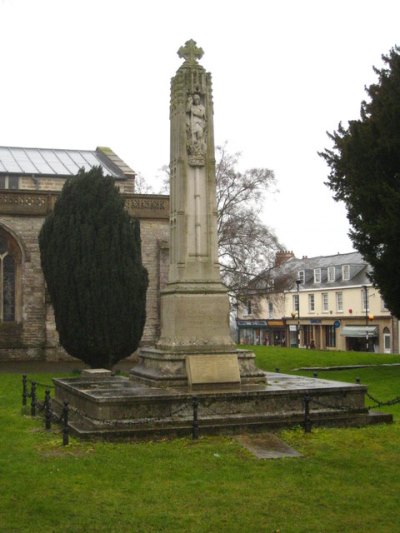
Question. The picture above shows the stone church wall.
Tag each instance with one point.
(30, 336)
(33, 335)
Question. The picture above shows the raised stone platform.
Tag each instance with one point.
(161, 368)
(114, 407)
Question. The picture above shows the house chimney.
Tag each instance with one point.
(282, 256)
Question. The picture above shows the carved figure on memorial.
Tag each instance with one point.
(196, 130)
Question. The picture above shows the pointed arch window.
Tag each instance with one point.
(10, 261)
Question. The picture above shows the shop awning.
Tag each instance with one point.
(359, 331)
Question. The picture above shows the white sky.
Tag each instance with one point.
(87, 73)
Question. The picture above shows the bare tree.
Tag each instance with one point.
(247, 247)
(141, 185)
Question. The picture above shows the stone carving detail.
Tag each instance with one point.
(147, 203)
(147, 207)
(24, 203)
(190, 52)
(196, 129)
(23, 199)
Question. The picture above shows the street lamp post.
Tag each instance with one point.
(298, 281)
(366, 317)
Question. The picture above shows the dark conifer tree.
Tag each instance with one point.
(91, 258)
(365, 175)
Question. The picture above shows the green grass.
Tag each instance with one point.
(346, 480)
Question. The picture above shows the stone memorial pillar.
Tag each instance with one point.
(195, 347)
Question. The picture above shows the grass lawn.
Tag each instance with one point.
(348, 480)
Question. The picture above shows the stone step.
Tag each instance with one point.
(215, 426)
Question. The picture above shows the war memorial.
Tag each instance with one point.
(194, 370)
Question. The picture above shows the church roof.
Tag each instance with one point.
(60, 163)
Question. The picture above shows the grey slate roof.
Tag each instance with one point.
(60, 163)
(288, 272)
(358, 269)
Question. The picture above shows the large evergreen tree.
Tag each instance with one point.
(365, 174)
(91, 259)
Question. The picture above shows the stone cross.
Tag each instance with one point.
(190, 52)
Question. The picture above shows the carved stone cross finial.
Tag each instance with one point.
(190, 52)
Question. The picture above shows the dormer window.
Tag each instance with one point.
(301, 276)
(317, 275)
(331, 274)
(345, 272)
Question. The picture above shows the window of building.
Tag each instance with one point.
(345, 272)
(270, 309)
(330, 336)
(296, 303)
(10, 260)
(317, 275)
(331, 274)
(9, 182)
(339, 302)
(311, 303)
(249, 307)
(387, 341)
(301, 276)
(325, 302)
(384, 307)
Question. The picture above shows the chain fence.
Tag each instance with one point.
(44, 407)
(379, 403)
(49, 415)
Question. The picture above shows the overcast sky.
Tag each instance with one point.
(83, 73)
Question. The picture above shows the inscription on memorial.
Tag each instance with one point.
(204, 369)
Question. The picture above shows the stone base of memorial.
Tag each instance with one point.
(114, 407)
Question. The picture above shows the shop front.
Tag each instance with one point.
(361, 338)
(267, 332)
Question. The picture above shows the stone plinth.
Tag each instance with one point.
(114, 408)
(161, 368)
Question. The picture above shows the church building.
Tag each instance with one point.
(30, 182)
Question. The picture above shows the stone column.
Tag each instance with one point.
(195, 306)
(195, 343)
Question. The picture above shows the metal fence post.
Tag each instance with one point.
(65, 430)
(33, 398)
(47, 409)
(24, 390)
